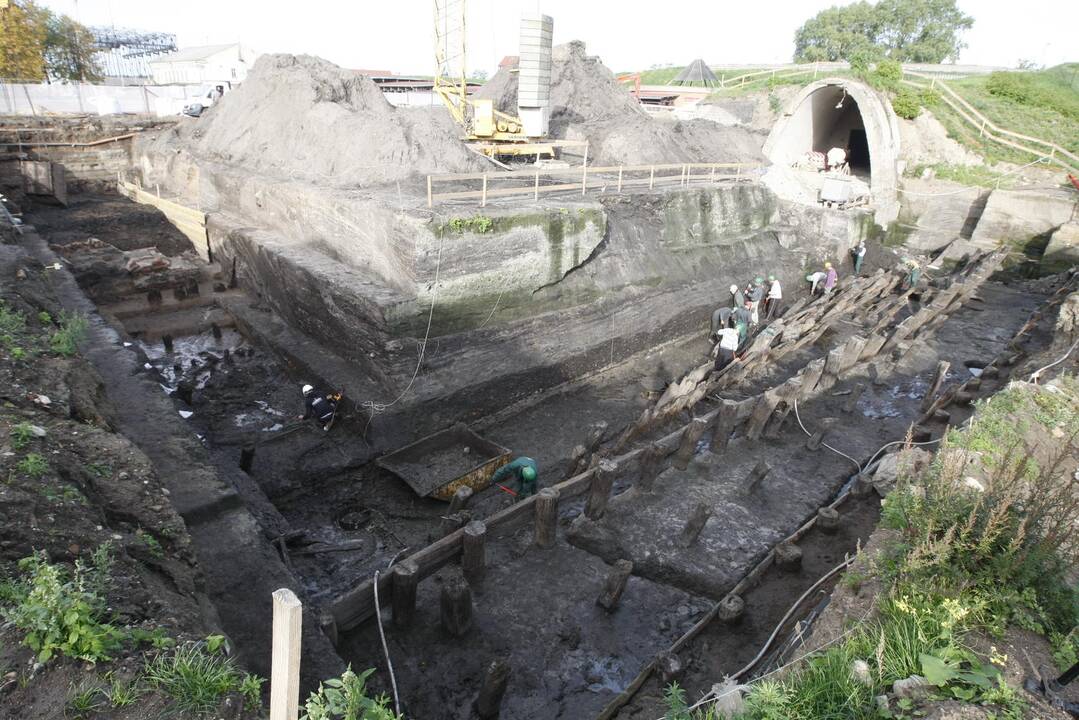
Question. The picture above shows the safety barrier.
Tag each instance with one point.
(603, 178)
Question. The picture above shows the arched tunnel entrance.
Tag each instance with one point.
(840, 113)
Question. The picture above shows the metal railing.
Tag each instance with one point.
(609, 178)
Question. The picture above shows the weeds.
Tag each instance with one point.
(60, 613)
(11, 321)
(65, 341)
(196, 678)
(345, 698)
(154, 547)
(121, 693)
(33, 465)
(84, 699)
(21, 435)
(479, 224)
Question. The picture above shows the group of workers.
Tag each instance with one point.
(731, 325)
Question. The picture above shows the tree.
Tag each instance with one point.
(22, 43)
(925, 31)
(36, 44)
(69, 51)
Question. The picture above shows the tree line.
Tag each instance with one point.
(38, 45)
(920, 31)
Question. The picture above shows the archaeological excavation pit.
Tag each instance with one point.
(680, 511)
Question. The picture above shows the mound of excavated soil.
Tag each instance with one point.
(303, 117)
(588, 103)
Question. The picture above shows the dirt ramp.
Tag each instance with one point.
(588, 103)
(302, 117)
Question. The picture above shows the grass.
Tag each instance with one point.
(33, 465)
(971, 175)
(21, 435)
(65, 341)
(195, 678)
(966, 561)
(1049, 112)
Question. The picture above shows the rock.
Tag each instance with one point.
(1016, 217)
(1068, 319)
(731, 608)
(905, 463)
(728, 696)
(37, 431)
(788, 556)
(914, 686)
(973, 483)
(1062, 252)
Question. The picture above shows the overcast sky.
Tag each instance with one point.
(397, 35)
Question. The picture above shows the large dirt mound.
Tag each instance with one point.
(588, 103)
(304, 117)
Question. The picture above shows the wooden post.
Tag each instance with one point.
(474, 551)
(615, 585)
(650, 461)
(688, 447)
(460, 499)
(483, 197)
(816, 439)
(652, 178)
(285, 666)
(247, 458)
(495, 680)
(731, 609)
(406, 577)
(600, 492)
(328, 626)
(595, 435)
(456, 606)
(584, 178)
(430, 200)
(828, 519)
(788, 556)
(724, 425)
(934, 386)
(619, 178)
(713, 174)
(456, 521)
(546, 520)
(536, 187)
(855, 395)
(578, 461)
(758, 473)
(696, 522)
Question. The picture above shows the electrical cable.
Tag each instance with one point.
(1043, 159)
(377, 408)
(382, 637)
(837, 452)
(1037, 373)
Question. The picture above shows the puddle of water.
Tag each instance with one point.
(265, 413)
(887, 404)
(188, 348)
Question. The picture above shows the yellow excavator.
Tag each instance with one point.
(493, 131)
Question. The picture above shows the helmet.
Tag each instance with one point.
(758, 280)
(307, 389)
(528, 473)
(734, 289)
(771, 277)
(827, 265)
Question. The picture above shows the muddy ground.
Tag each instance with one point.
(329, 516)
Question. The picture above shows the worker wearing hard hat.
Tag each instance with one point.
(914, 274)
(743, 317)
(524, 471)
(858, 254)
(322, 408)
(726, 347)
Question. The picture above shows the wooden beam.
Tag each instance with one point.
(285, 665)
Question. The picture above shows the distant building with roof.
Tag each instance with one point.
(203, 65)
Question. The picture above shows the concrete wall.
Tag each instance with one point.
(812, 117)
(90, 169)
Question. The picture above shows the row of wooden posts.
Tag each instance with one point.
(466, 538)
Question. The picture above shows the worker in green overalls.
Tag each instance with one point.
(523, 470)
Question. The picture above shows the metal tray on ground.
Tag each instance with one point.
(438, 464)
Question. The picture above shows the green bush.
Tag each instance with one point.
(11, 321)
(21, 435)
(65, 341)
(886, 75)
(196, 678)
(1035, 90)
(345, 698)
(907, 103)
(60, 613)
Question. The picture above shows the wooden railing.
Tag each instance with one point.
(987, 128)
(584, 178)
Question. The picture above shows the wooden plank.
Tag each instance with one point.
(285, 667)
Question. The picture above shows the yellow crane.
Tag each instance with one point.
(497, 132)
